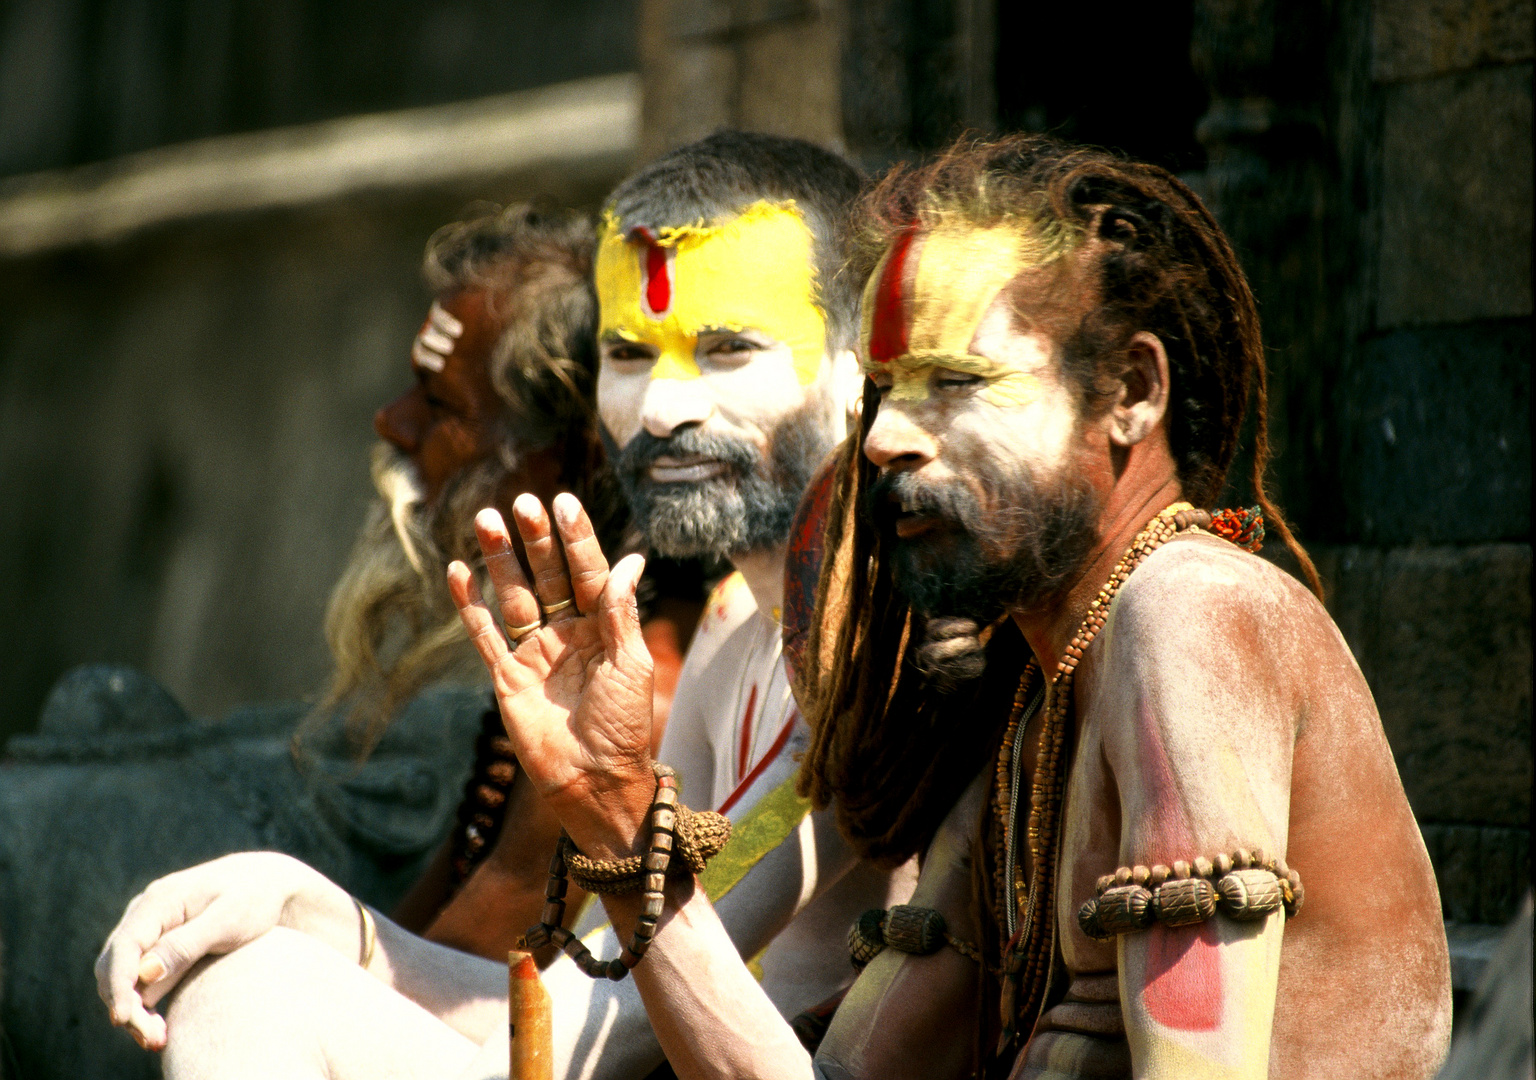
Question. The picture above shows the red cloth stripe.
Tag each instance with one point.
(773, 751)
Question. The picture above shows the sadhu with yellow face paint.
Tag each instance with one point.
(1162, 832)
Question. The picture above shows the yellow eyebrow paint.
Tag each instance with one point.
(755, 271)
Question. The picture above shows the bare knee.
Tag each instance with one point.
(249, 1011)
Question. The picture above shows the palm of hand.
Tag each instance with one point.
(575, 691)
(577, 710)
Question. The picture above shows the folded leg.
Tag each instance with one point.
(287, 1005)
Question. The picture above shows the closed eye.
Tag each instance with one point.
(954, 381)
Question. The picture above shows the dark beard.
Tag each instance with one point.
(748, 508)
(1003, 542)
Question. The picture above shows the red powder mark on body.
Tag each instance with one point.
(768, 759)
(744, 754)
(888, 326)
(1164, 831)
(658, 282)
(1183, 988)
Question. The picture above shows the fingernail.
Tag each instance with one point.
(565, 510)
(151, 969)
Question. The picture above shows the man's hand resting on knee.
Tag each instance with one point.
(209, 910)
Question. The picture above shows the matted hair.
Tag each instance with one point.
(891, 748)
(719, 176)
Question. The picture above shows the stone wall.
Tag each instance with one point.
(1371, 160)
(186, 406)
(1435, 414)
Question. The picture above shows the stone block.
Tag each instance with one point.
(1483, 871)
(789, 81)
(1434, 431)
(1459, 871)
(1456, 198)
(1450, 666)
(1413, 39)
(1443, 637)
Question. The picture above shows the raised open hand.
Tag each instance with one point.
(574, 687)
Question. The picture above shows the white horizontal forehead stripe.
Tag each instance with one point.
(435, 340)
(426, 358)
(445, 322)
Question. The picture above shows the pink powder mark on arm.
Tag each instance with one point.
(1164, 830)
(1183, 988)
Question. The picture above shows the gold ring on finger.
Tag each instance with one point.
(550, 609)
(516, 632)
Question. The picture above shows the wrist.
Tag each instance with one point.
(609, 820)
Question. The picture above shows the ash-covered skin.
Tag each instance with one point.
(988, 511)
(1220, 708)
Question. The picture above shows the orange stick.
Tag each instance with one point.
(532, 1040)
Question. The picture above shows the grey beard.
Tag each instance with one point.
(749, 508)
(1006, 543)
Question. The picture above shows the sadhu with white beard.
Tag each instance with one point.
(501, 403)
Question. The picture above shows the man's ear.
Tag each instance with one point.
(1143, 399)
(847, 387)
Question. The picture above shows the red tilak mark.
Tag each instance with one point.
(658, 282)
(888, 327)
(757, 770)
(1183, 988)
(746, 734)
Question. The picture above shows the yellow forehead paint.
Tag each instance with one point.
(961, 268)
(755, 271)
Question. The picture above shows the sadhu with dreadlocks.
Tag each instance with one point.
(1160, 827)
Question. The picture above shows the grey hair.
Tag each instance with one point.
(535, 261)
(719, 176)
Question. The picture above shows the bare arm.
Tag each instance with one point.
(219, 906)
(576, 699)
(915, 1016)
(1200, 717)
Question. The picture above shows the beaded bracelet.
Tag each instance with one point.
(1244, 886)
(655, 862)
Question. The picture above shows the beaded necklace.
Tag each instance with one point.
(1030, 949)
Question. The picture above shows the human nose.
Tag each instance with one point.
(895, 441)
(673, 403)
(402, 422)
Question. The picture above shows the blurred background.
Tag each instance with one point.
(212, 214)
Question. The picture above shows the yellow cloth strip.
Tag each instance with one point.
(761, 829)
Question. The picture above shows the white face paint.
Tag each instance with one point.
(747, 383)
(1014, 408)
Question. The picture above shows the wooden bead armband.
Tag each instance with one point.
(703, 837)
(1244, 886)
(917, 931)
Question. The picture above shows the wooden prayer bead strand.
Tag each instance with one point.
(663, 820)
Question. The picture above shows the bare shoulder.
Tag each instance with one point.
(1201, 588)
(1217, 644)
